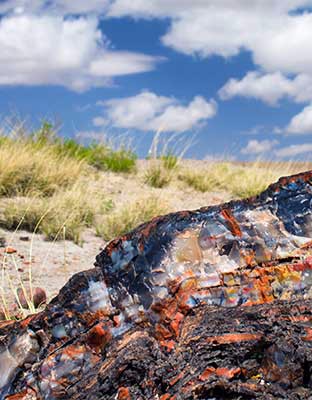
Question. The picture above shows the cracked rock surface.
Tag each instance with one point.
(206, 304)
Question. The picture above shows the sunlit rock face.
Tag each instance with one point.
(240, 255)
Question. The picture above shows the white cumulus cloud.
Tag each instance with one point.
(268, 149)
(277, 39)
(294, 150)
(72, 52)
(301, 123)
(270, 87)
(149, 112)
(255, 146)
(60, 7)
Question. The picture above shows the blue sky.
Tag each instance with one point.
(235, 75)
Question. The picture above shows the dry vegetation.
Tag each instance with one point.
(240, 181)
(127, 218)
(59, 187)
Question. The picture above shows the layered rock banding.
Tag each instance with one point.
(206, 304)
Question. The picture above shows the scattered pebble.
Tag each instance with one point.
(21, 298)
(24, 238)
(10, 250)
(39, 297)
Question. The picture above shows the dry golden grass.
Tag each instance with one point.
(67, 211)
(238, 179)
(157, 175)
(26, 169)
(52, 182)
(126, 218)
(58, 194)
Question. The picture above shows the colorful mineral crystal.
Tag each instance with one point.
(234, 279)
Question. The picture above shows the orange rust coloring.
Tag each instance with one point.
(228, 373)
(19, 396)
(99, 336)
(175, 324)
(233, 338)
(123, 393)
(231, 221)
(176, 379)
(207, 373)
(165, 396)
(168, 344)
(308, 337)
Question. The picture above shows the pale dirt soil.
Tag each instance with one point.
(53, 264)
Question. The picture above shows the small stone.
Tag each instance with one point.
(21, 298)
(24, 238)
(39, 297)
(10, 250)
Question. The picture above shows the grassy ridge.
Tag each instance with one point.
(239, 180)
(48, 184)
(55, 186)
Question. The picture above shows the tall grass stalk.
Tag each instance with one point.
(165, 155)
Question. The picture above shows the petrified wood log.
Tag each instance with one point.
(206, 304)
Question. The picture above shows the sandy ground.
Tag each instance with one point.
(52, 264)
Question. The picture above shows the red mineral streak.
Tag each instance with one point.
(123, 394)
(233, 338)
(213, 303)
(233, 225)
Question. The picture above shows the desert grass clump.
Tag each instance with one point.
(26, 169)
(128, 217)
(69, 211)
(170, 161)
(237, 179)
(108, 159)
(200, 181)
(251, 180)
(156, 175)
(211, 178)
(165, 158)
(105, 155)
(98, 155)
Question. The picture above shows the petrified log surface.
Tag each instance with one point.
(206, 304)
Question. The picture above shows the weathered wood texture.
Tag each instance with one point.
(208, 304)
